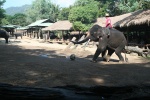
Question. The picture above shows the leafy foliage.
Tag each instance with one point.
(4, 21)
(42, 9)
(103, 8)
(64, 13)
(83, 13)
(144, 4)
(126, 6)
(2, 11)
(19, 19)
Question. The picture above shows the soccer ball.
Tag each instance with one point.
(72, 57)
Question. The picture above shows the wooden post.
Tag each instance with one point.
(48, 37)
(62, 35)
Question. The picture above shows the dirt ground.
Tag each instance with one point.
(32, 62)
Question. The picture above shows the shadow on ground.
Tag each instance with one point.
(37, 72)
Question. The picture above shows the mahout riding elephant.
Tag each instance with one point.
(4, 34)
(108, 39)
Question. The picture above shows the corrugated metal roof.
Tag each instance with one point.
(10, 26)
(23, 28)
(45, 24)
(38, 23)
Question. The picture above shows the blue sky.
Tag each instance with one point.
(18, 3)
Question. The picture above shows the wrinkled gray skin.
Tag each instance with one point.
(4, 34)
(115, 42)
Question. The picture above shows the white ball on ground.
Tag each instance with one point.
(72, 57)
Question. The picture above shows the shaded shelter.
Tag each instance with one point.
(22, 30)
(10, 28)
(64, 26)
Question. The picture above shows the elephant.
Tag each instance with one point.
(108, 39)
(4, 34)
(18, 34)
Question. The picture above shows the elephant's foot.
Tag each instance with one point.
(121, 61)
(94, 61)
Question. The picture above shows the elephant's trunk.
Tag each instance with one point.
(82, 41)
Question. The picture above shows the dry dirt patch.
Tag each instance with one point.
(32, 62)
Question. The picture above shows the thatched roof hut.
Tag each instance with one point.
(135, 21)
(64, 25)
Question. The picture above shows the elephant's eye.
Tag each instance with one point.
(94, 33)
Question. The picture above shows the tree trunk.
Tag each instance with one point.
(140, 51)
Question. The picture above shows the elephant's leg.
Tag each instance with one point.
(97, 53)
(118, 53)
(110, 52)
(101, 48)
(104, 55)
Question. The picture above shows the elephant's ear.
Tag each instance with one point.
(106, 30)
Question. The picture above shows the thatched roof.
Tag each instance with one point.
(135, 18)
(59, 25)
(101, 21)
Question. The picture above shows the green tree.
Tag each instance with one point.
(4, 21)
(144, 4)
(19, 19)
(2, 11)
(126, 6)
(42, 9)
(7, 20)
(103, 8)
(64, 13)
(83, 13)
